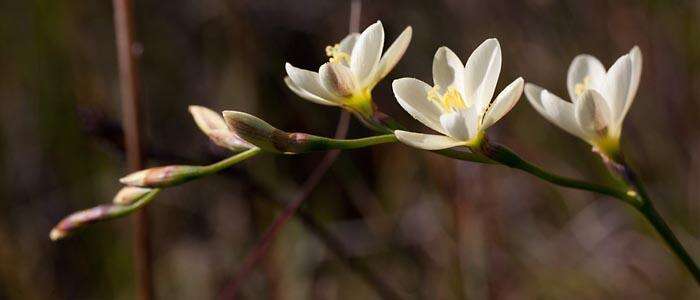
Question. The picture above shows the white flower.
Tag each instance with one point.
(599, 99)
(459, 106)
(214, 126)
(355, 66)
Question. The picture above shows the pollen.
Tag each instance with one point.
(336, 56)
(582, 86)
(451, 100)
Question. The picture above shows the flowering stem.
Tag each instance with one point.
(218, 166)
(507, 157)
(647, 209)
(636, 195)
(649, 212)
(323, 143)
(112, 211)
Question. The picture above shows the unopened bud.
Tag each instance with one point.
(265, 136)
(213, 125)
(130, 194)
(161, 176)
(81, 218)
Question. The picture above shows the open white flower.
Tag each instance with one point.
(355, 66)
(459, 105)
(599, 99)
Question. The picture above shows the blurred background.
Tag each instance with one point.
(428, 226)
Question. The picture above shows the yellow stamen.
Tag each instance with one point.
(450, 100)
(336, 56)
(582, 86)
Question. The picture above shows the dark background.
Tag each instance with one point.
(432, 227)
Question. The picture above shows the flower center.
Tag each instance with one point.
(451, 100)
(336, 56)
(582, 86)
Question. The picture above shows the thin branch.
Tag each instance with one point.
(128, 79)
(312, 181)
(263, 245)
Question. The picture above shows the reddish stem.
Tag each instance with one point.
(129, 91)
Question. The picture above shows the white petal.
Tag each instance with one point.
(504, 103)
(309, 81)
(426, 141)
(348, 43)
(553, 108)
(447, 70)
(585, 68)
(366, 53)
(306, 95)
(482, 70)
(337, 79)
(619, 79)
(592, 113)
(636, 60)
(412, 95)
(458, 125)
(392, 55)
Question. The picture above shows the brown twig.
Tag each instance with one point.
(129, 90)
(312, 181)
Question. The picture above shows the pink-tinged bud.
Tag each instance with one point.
(265, 136)
(130, 194)
(161, 176)
(213, 125)
(81, 218)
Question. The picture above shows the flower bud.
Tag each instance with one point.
(261, 134)
(81, 218)
(130, 194)
(161, 176)
(213, 125)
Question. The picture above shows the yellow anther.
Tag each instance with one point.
(582, 86)
(434, 95)
(336, 56)
(450, 100)
(631, 193)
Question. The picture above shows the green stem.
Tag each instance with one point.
(646, 208)
(323, 143)
(125, 210)
(639, 199)
(649, 212)
(218, 166)
(507, 157)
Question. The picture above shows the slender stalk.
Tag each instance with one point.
(651, 215)
(647, 209)
(128, 78)
(262, 247)
(260, 250)
(337, 247)
(326, 143)
(226, 163)
(508, 158)
(635, 195)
